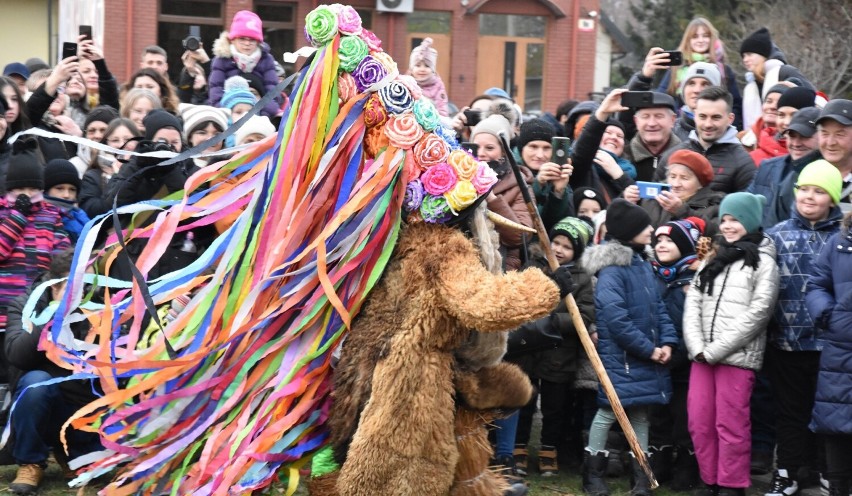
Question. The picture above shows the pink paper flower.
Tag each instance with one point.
(439, 179)
(484, 178)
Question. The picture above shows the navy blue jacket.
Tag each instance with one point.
(829, 300)
(674, 296)
(775, 179)
(632, 320)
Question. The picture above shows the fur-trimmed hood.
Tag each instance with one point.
(222, 46)
(597, 257)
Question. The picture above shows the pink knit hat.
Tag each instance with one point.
(246, 24)
(424, 53)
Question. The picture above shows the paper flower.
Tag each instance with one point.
(431, 150)
(411, 84)
(371, 40)
(375, 141)
(369, 72)
(321, 25)
(352, 51)
(463, 163)
(439, 179)
(484, 178)
(346, 87)
(374, 111)
(414, 194)
(426, 114)
(403, 130)
(348, 20)
(448, 135)
(396, 97)
(435, 209)
(386, 60)
(461, 196)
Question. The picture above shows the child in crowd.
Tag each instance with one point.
(200, 123)
(675, 261)
(588, 202)
(241, 50)
(61, 186)
(237, 99)
(257, 128)
(724, 326)
(553, 371)
(422, 66)
(633, 342)
(793, 352)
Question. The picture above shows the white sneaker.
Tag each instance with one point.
(782, 484)
(823, 486)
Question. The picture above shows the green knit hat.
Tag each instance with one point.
(578, 231)
(821, 173)
(745, 207)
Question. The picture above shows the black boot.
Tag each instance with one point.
(686, 475)
(838, 487)
(660, 459)
(638, 479)
(594, 473)
(733, 491)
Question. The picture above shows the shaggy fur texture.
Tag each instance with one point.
(393, 415)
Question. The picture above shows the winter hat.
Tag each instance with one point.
(625, 220)
(257, 124)
(777, 88)
(577, 230)
(60, 171)
(821, 173)
(493, 125)
(255, 82)
(703, 70)
(804, 121)
(195, 117)
(798, 97)
(26, 169)
(35, 64)
(236, 92)
(497, 92)
(158, 119)
(101, 113)
(696, 162)
(745, 207)
(534, 130)
(683, 233)
(246, 24)
(586, 193)
(424, 53)
(759, 42)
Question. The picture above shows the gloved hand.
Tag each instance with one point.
(23, 204)
(562, 278)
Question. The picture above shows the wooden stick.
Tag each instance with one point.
(579, 325)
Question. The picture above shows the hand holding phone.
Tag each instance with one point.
(675, 57)
(69, 50)
(86, 32)
(651, 190)
(561, 149)
(637, 99)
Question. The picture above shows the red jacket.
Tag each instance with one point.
(767, 146)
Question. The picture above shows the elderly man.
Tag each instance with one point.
(654, 123)
(834, 128)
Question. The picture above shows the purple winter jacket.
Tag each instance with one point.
(224, 67)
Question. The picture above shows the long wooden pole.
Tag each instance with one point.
(579, 325)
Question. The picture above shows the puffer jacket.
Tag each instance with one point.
(829, 300)
(733, 168)
(798, 244)
(774, 180)
(674, 295)
(632, 320)
(729, 326)
(767, 146)
(224, 67)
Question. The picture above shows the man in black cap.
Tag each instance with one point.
(776, 176)
(834, 127)
(654, 123)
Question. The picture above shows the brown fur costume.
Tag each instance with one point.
(394, 410)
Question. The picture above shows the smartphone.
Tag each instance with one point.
(473, 148)
(69, 50)
(561, 149)
(473, 117)
(637, 99)
(652, 190)
(86, 31)
(675, 57)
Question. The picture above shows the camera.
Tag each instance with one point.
(193, 41)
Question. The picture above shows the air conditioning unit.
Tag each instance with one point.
(399, 6)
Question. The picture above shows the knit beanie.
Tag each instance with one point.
(534, 130)
(759, 42)
(101, 113)
(777, 88)
(745, 207)
(493, 125)
(60, 171)
(625, 220)
(35, 64)
(196, 117)
(577, 230)
(684, 234)
(424, 53)
(26, 169)
(158, 119)
(696, 162)
(704, 70)
(246, 24)
(586, 193)
(821, 173)
(236, 92)
(798, 98)
(257, 124)
(255, 82)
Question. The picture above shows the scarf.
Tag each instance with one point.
(671, 272)
(746, 248)
(246, 63)
(625, 165)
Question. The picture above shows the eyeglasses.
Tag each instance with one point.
(244, 39)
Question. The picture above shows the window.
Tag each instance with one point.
(424, 21)
(176, 16)
(512, 25)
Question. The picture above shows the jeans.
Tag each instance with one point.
(599, 432)
(505, 433)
